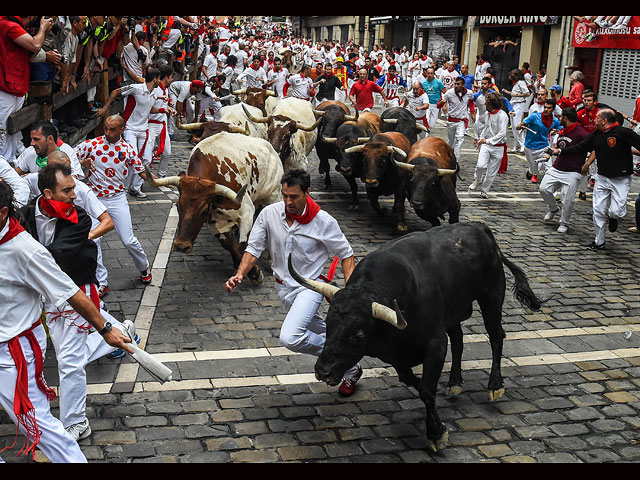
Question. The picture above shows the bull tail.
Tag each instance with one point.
(522, 290)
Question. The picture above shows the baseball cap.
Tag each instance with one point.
(556, 88)
(339, 59)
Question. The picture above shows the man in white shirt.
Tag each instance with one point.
(298, 227)
(44, 141)
(254, 76)
(210, 65)
(417, 102)
(277, 77)
(519, 94)
(448, 76)
(134, 58)
(492, 145)
(158, 123)
(459, 102)
(27, 272)
(180, 93)
(17, 183)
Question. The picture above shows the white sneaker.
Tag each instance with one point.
(563, 229)
(79, 431)
(483, 194)
(137, 193)
(549, 216)
(473, 186)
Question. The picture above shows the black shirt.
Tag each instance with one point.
(328, 89)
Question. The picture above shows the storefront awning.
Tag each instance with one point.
(441, 22)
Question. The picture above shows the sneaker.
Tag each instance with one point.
(348, 385)
(563, 229)
(582, 196)
(594, 247)
(534, 179)
(484, 194)
(473, 186)
(549, 216)
(613, 225)
(137, 193)
(633, 229)
(103, 290)
(131, 331)
(529, 175)
(146, 276)
(79, 431)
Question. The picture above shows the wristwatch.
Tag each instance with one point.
(106, 329)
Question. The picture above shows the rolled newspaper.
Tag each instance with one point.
(155, 368)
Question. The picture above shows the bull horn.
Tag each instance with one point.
(391, 316)
(392, 121)
(270, 93)
(350, 118)
(397, 150)
(252, 118)
(238, 129)
(240, 92)
(405, 166)
(189, 126)
(319, 113)
(444, 172)
(420, 126)
(362, 140)
(320, 287)
(329, 140)
(227, 192)
(160, 182)
(356, 149)
(308, 128)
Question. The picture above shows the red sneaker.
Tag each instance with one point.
(534, 179)
(103, 290)
(348, 386)
(146, 276)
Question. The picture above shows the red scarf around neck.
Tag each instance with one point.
(53, 208)
(309, 213)
(14, 230)
(548, 121)
(568, 130)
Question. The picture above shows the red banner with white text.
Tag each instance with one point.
(616, 32)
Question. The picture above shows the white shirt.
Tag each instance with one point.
(537, 108)
(253, 78)
(129, 58)
(280, 78)
(495, 130)
(138, 121)
(241, 55)
(162, 101)
(299, 86)
(481, 70)
(45, 226)
(211, 66)
(28, 270)
(449, 78)
(17, 183)
(228, 76)
(519, 88)
(85, 197)
(180, 91)
(27, 160)
(458, 105)
(415, 102)
(309, 245)
(112, 162)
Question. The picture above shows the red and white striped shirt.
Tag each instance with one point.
(112, 162)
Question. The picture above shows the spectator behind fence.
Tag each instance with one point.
(16, 49)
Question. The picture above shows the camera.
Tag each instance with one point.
(55, 28)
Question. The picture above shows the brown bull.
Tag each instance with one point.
(431, 188)
(202, 130)
(256, 97)
(382, 176)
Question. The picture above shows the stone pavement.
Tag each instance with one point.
(572, 371)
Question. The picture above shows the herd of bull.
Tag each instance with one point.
(404, 301)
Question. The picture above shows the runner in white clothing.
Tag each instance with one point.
(417, 102)
(459, 102)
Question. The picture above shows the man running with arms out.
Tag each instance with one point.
(298, 227)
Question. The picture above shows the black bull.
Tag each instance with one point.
(403, 300)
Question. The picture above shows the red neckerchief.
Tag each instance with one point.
(254, 67)
(310, 213)
(493, 112)
(547, 123)
(568, 130)
(14, 230)
(612, 126)
(53, 208)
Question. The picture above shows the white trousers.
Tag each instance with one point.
(489, 160)
(456, 131)
(432, 116)
(155, 137)
(9, 143)
(207, 103)
(609, 201)
(304, 329)
(479, 125)
(173, 38)
(118, 209)
(55, 442)
(555, 180)
(520, 110)
(75, 349)
(535, 158)
(188, 107)
(584, 182)
(140, 142)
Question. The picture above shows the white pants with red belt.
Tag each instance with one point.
(140, 142)
(9, 143)
(75, 348)
(55, 442)
(456, 131)
(158, 133)
(555, 180)
(304, 329)
(489, 160)
(609, 201)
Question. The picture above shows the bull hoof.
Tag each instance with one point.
(402, 228)
(454, 390)
(256, 282)
(496, 394)
(439, 445)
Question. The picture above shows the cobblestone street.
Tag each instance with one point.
(572, 371)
